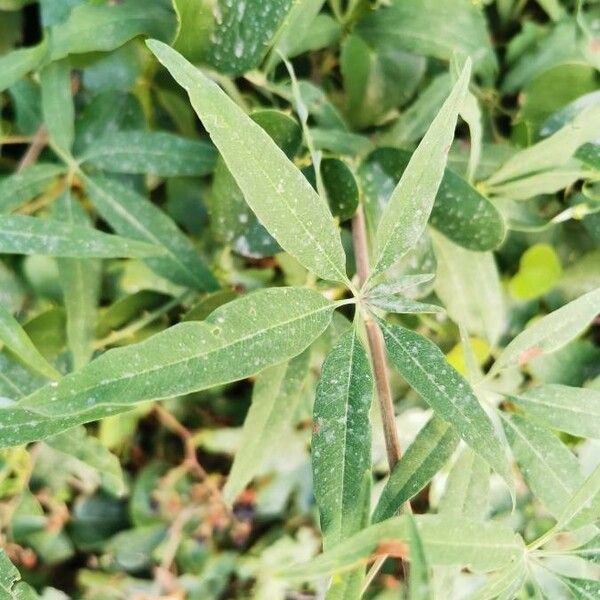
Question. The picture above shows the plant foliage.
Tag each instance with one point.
(299, 299)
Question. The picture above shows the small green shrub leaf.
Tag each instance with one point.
(550, 332)
(50, 237)
(286, 203)
(405, 217)
(426, 369)
(430, 451)
(237, 340)
(341, 441)
(275, 397)
(15, 339)
(447, 541)
(154, 152)
(132, 215)
(570, 409)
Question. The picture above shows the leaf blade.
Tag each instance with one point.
(289, 208)
(408, 211)
(132, 215)
(32, 235)
(341, 441)
(425, 368)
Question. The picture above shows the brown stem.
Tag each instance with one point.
(376, 345)
(380, 371)
(39, 140)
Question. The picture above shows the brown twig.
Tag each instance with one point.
(38, 142)
(376, 346)
(380, 371)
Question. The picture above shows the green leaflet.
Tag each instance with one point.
(549, 467)
(583, 506)
(402, 305)
(16, 381)
(582, 589)
(93, 28)
(57, 103)
(550, 333)
(18, 63)
(237, 340)
(571, 409)
(287, 205)
(431, 28)
(49, 237)
(505, 584)
(447, 541)
(275, 396)
(467, 488)
(14, 338)
(134, 216)
(430, 451)
(405, 217)
(460, 211)
(18, 188)
(553, 152)
(80, 282)
(230, 37)
(11, 586)
(232, 220)
(341, 442)
(419, 584)
(21, 425)
(589, 551)
(425, 368)
(414, 121)
(88, 450)
(154, 152)
(469, 285)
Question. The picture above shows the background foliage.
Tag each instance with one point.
(123, 222)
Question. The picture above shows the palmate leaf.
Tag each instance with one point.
(550, 333)
(154, 152)
(426, 369)
(239, 339)
(570, 409)
(132, 215)
(275, 396)
(275, 189)
(49, 237)
(15, 339)
(341, 441)
(430, 451)
(408, 211)
(447, 541)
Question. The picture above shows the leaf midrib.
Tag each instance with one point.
(171, 364)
